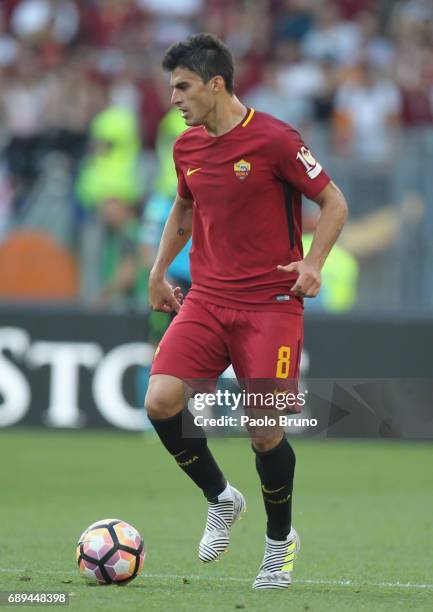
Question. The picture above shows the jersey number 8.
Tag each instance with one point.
(283, 363)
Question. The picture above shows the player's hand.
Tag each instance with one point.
(163, 297)
(309, 278)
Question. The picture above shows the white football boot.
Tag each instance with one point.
(277, 566)
(221, 516)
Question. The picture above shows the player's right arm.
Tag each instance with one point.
(176, 234)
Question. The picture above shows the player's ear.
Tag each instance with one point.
(217, 84)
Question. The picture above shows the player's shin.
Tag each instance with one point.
(276, 468)
(191, 454)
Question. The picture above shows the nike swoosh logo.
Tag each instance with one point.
(192, 171)
(265, 490)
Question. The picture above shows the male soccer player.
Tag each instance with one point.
(241, 174)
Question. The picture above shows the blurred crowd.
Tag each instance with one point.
(86, 133)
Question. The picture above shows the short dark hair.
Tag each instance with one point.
(204, 54)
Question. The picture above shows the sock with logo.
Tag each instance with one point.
(276, 469)
(191, 454)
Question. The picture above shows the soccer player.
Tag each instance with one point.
(241, 174)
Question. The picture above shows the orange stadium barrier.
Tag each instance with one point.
(33, 266)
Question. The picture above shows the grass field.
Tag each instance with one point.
(363, 511)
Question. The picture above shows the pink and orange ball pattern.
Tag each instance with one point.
(110, 551)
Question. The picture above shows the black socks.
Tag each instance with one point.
(192, 455)
(276, 469)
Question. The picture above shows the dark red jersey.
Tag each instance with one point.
(246, 186)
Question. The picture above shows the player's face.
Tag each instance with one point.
(194, 98)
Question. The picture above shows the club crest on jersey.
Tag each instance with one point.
(242, 169)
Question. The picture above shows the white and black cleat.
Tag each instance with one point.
(221, 517)
(276, 569)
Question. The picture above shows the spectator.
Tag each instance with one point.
(338, 292)
(160, 201)
(295, 20)
(110, 169)
(300, 79)
(271, 96)
(8, 44)
(123, 278)
(332, 37)
(23, 105)
(367, 113)
(376, 48)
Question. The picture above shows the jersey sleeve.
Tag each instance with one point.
(295, 164)
(182, 187)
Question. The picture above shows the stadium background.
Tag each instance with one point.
(86, 182)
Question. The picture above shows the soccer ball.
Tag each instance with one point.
(110, 551)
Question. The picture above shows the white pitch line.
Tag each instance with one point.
(343, 583)
(349, 583)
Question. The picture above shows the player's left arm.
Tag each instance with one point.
(333, 214)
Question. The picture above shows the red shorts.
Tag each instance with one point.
(204, 339)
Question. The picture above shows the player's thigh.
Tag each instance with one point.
(266, 352)
(194, 347)
(268, 345)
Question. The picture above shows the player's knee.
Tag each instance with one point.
(162, 400)
(265, 444)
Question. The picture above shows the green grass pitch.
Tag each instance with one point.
(363, 511)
